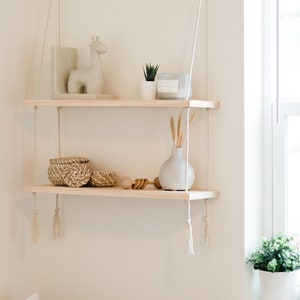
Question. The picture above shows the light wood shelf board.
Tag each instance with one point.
(124, 103)
(122, 193)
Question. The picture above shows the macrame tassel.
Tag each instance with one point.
(56, 222)
(34, 226)
(189, 230)
(206, 226)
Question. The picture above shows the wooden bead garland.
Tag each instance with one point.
(138, 184)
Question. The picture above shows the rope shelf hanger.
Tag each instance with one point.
(56, 226)
(189, 227)
(34, 226)
(57, 230)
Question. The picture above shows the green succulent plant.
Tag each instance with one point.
(277, 254)
(150, 72)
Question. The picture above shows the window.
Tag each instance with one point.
(286, 119)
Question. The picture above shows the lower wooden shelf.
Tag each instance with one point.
(121, 193)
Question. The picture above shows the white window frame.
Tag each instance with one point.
(279, 170)
(276, 113)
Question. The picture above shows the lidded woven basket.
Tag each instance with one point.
(103, 178)
(70, 171)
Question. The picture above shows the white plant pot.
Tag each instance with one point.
(148, 90)
(280, 285)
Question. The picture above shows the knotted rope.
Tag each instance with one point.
(206, 225)
(189, 230)
(34, 226)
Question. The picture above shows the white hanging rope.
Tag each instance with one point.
(56, 227)
(194, 50)
(189, 227)
(34, 226)
(59, 131)
(34, 143)
(34, 219)
(206, 224)
(187, 148)
(189, 230)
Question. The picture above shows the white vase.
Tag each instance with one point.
(172, 173)
(148, 90)
(280, 285)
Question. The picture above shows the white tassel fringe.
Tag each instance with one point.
(189, 231)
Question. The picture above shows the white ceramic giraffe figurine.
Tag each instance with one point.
(89, 81)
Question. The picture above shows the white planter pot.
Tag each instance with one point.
(148, 90)
(280, 285)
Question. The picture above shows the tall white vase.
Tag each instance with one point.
(172, 173)
(280, 285)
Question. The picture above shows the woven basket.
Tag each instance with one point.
(65, 167)
(103, 179)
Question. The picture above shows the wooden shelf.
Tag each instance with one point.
(124, 103)
(121, 193)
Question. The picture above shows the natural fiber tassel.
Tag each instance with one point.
(56, 222)
(34, 224)
(206, 226)
(189, 230)
(34, 227)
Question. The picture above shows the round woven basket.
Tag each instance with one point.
(103, 179)
(60, 168)
(77, 175)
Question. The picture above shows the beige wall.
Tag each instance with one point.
(128, 248)
(17, 255)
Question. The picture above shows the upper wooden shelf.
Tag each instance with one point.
(122, 193)
(124, 103)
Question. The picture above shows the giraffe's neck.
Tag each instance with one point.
(96, 63)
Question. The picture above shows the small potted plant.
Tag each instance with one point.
(150, 72)
(278, 262)
(148, 86)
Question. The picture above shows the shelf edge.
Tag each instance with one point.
(110, 103)
(121, 193)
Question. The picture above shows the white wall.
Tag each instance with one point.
(133, 248)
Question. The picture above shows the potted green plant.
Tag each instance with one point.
(150, 72)
(148, 86)
(278, 262)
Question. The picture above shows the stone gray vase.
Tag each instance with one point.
(173, 172)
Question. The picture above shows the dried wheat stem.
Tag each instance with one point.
(179, 130)
(176, 129)
(180, 141)
(173, 131)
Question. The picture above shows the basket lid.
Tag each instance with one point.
(68, 160)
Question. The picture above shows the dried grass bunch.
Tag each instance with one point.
(177, 131)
